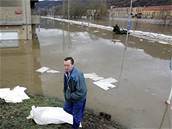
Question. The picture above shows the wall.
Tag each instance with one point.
(15, 15)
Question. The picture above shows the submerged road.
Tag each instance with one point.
(141, 68)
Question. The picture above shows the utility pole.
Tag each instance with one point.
(25, 10)
(68, 11)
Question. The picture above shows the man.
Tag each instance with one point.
(75, 91)
(117, 30)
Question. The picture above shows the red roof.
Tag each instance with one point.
(158, 8)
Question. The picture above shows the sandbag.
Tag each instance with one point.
(16, 95)
(50, 115)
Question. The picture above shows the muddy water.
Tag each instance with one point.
(141, 68)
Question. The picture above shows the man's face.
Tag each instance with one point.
(68, 66)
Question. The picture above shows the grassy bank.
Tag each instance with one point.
(13, 116)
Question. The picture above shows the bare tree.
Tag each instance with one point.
(79, 8)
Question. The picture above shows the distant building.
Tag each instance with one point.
(119, 12)
(150, 12)
(157, 12)
(18, 16)
(137, 12)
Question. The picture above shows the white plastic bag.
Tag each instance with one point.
(50, 115)
(16, 95)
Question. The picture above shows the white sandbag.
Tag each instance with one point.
(52, 71)
(16, 95)
(93, 76)
(106, 83)
(4, 92)
(12, 97)
(50, 115)
(42, 69)
(46, 70)
(20, 92)
(108, 80)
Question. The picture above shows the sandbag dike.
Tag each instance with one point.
(13, 116)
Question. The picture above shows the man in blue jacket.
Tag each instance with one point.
(75, 91)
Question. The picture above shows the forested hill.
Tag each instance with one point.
(125, 3)
(117, 3)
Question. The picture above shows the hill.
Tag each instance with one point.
(125, 3)
(48, 4)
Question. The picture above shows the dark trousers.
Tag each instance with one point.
(76, 110)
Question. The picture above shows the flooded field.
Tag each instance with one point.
(140, 66)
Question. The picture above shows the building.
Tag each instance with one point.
(157, 12)
(137, 12)
(18, 16)
(150, 12)
(121, 12)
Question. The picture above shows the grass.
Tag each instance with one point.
(13, 116)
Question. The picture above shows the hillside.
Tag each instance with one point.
(119, 3)
(125, 3)
(48, 4)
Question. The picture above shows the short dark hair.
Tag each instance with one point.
(69, 58)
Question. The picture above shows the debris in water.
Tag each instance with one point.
(47, 70)
(42, 69)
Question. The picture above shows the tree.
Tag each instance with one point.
(79, 8)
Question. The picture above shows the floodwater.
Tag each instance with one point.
(140, 66)
(136, 24)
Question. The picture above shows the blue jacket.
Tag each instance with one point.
(75, 89)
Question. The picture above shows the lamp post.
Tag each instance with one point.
(168, 101)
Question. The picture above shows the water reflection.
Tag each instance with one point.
(158, 50)
(18, 65)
